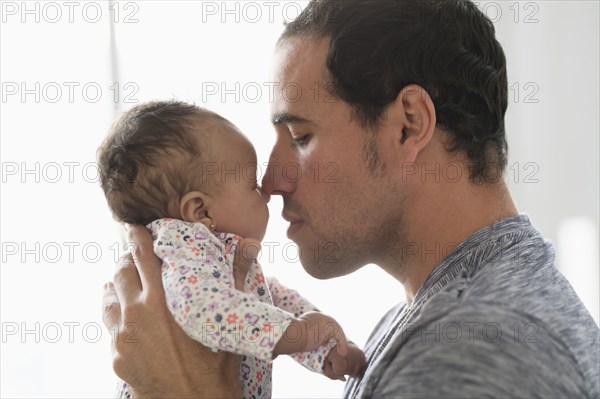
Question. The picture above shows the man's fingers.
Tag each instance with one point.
(111, 308)
(127, 283)
(247, 251)
(147, 263)
(245, 254)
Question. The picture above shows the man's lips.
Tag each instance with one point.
(295, 222)
(291, 217)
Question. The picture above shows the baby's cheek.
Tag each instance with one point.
(261, 221)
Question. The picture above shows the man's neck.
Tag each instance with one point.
(435, 227)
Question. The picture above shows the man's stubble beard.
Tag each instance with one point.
(345, 247)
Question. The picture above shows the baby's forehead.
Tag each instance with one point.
(223, 142)
(226, 133)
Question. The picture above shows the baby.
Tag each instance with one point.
(189, 175)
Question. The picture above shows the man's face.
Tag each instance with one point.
(342, 216)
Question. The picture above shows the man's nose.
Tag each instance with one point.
(275, 182)
(266, 184)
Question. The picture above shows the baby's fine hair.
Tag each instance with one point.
(151, 156)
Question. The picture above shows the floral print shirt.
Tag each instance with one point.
(197, 274)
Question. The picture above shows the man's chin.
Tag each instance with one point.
(322, 261)
(324, 270)
(316, 272)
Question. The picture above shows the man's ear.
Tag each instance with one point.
(193, 207)
(411, 120)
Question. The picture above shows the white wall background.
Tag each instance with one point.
(60, 91)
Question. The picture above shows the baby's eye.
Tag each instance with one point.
(301, 142)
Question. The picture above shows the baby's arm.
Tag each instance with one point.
(289, 299)
(322, 359)
(201, 295)
(311, 331)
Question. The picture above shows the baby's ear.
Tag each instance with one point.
(192, 208)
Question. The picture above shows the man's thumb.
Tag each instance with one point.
(245, 254)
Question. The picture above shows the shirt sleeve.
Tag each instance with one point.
(198, 280)
(291, 301)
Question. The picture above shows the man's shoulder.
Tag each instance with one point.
(477, 320)
(483, 348)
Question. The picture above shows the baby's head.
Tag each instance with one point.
(176, 160)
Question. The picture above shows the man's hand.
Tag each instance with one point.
(150, 351)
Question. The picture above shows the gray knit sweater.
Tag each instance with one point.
(495, 319)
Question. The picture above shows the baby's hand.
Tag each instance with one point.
(310, 331)
(336, 365)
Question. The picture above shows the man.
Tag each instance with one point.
(406, 99)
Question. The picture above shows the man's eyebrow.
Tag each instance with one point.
(279, 119)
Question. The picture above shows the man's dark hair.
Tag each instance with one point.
(145, 161)
(448, 47)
